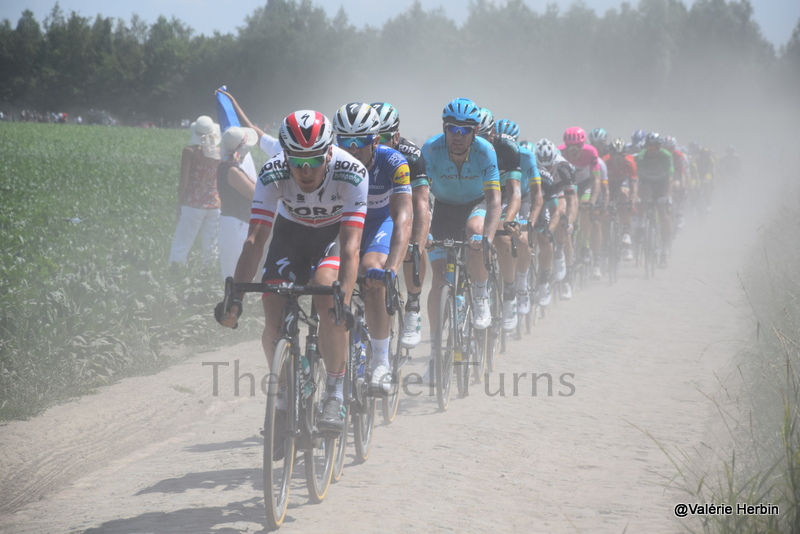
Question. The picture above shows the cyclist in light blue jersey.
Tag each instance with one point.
(387, 227)
(465, 183)
(531, 207)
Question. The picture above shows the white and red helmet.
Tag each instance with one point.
(306, 131)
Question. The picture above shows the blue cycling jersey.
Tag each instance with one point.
(530, 171)
(388, 175)
(478, 172)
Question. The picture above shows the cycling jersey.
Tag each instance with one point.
(478, 172)
(585, 161)
(620, 167)
(678, 162)
(388, 175)
(530, 170)
(508, 160)
(654, 166)
(342, 196)
(562, 174)
(416, 163)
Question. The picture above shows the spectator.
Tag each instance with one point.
(198, 200)
(236, 191)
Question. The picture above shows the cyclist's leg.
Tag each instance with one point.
(507, 267)
(419, 235)
(477, 269)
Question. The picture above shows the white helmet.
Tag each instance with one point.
(306, 131)
(356, 119)
(546, 152)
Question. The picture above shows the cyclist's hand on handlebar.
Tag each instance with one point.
(230, 318)
(374, 277)
(512, 227)
(346, 317)
(475, 241)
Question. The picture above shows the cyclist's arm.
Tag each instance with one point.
(420, 197)
(401, 210)
(537, 202)
(595, 177)
(514, 193)
(252, 251)
(493, 209)
(349, 244)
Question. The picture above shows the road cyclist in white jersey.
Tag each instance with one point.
(314, 194)
(387, 228)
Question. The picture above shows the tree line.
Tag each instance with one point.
(289, 53)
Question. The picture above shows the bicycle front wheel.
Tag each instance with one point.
(319, 459)
(443, 344)
(390, 403)
(279, 445)
(364, 415)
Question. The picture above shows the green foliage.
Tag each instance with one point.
(86, 224)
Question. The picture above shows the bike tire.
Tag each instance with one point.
(319, 460)
(364, 416)
(493, 334)
(390, 403)
(443, 345)
(341, 449)
(465, 355)
(278, 473)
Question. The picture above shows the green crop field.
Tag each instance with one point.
(87, 215)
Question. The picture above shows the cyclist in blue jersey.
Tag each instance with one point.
(530, 212)
(420, 185)
(465, 183)
(387, 227)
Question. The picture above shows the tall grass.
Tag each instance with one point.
(760, 458)
(87, 216)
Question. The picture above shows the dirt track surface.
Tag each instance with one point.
(631, 366)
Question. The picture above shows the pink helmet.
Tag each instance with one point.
(574, 136)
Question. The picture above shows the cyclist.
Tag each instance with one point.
(637, 142)
(530, 211)
(655, 169)
(730, 165)
(705, 170)
(503, 138)
(465, 182)
(558, 177)
(420, 185)
(387, 227)
(598, 138)
(623, 188)
(588, 184)
(315, 195)
(681, 165)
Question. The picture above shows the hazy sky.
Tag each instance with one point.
(777, 18)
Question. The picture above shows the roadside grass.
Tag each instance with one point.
(87, 215)
(757, 460)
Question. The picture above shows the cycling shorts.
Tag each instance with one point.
(449, 221)
(297, 251)
(377, 236)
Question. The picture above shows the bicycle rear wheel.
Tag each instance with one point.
(464, 353)
(443, 344)
(494, 331)
(278, 457)
(319, 460)
(364, 415)
(390, 403)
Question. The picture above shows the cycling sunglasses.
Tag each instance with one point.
(460, 130)
(386, 137)
(354, 142)
(312, 162)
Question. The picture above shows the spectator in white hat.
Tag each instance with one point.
(198, 200)
(236, 189)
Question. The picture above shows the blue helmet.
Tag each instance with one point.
(462, 110)
(638, 136)
(507, 127)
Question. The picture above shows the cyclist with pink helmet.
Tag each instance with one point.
(588, 183)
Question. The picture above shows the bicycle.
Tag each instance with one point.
(613, 243)
(296, 377)
(495, 333)
(398, 355)
(496, 288)
(531, 317)
(650, 238)
(581, 245)
(457, 344)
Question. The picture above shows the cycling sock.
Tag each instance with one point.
(545, 277)
(335, 385)
(521, 281)
(413, 301)
(481, 291)
(380, 352)
(508, 291)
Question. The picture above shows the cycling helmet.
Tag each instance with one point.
(387, 113)
(546, 152)
(638, 136)
(306, 131)
(598, 136)
(487, 122)
(462, 110)
(670, 142)
(574, 136)
(653, 139)
(507, 127)
(618, 145)
(356, 119)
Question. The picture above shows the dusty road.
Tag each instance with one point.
(630, 367)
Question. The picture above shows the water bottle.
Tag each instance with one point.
(362, 359)
(461, 306)
(306, 378)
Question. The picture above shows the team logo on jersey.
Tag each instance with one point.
(491, 169)
(396, 159)
(352, 166)
(301, 198)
